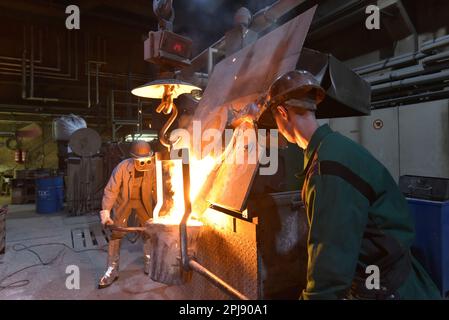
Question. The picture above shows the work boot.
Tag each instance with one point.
(146, 254)
(111, 273)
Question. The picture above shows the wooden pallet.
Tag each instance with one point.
(89, 237)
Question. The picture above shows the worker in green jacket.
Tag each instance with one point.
(360, 226)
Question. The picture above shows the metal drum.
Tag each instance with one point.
(49, 194)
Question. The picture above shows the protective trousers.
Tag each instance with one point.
(121, 220)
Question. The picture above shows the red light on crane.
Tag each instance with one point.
(177, 47)
(168, 48)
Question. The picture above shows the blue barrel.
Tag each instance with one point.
(49, 194)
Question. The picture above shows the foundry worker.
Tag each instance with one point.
(357, 215)
(131, 187)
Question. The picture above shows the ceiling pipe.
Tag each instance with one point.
(30, 96)
(40, 59)
(401, 60)
(414, 81)
(437, 58)
(431, 45)
(426, 50)
(411, 99)
(403, 92)
(43, 110)
(395, 75)
(404, 73)
(53, 73)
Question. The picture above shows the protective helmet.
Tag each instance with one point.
(294, 86)
(140, 149)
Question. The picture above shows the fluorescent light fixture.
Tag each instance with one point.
(155, 89)
(141, 136)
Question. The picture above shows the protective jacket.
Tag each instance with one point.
(118, 191)
(359, 221)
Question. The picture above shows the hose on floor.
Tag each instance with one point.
(21, 247)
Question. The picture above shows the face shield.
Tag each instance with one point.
(142, 164)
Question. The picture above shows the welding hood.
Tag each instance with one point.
(347, 94)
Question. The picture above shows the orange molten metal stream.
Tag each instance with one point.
(171, 209)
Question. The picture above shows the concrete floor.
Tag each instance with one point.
(27, 228)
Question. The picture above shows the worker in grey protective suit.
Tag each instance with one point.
(132, 186)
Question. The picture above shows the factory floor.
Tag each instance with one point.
(40, 249)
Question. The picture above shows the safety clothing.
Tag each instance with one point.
(105, 216)
(136, 189)
(294, 86)
(359, 221)
(128, 190)
(140, 149)
(112, 271)
(142, 164)
(121, 216)
(297, 88)
(117, 192)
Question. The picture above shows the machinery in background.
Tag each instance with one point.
(254, 223)
(23, 185)
(29, 146)
(85, 178)
(23, 190)
(167, 90)
(63, 128)
(89, 166)
(170, 52)
(163, 47)
(260, 230)
(18, 139)
(31, 154)
(5, 183)
(241, 35)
